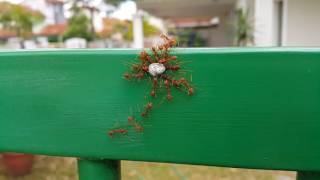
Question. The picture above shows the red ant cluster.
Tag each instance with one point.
(161, 68)
(162, 77)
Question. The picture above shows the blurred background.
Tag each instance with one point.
(34, 24)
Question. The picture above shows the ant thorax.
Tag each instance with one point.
(156, 69)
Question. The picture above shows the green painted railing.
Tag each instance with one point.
(253, 108)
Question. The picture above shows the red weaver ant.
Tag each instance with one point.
(161, 67)
(148, 107)
(135, 124)
(117, 131)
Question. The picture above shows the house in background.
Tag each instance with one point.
(6, 34)
(51, 29)
(211, 20)
(54, 32)
(57, 11)
(286, 22)
(275, 22)
(53, 10)
(55, 22)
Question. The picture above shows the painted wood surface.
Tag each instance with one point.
(254, 108)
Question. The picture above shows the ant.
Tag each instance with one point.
(135, 124)
(162, 68)
(148, 107)
(111, 133)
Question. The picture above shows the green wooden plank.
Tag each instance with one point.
(254, 108)
(98, 169)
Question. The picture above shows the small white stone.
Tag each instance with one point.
(156, 69)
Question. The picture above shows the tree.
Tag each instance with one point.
(244, 28)
(19, 18)
(148, 30)
(79, 23)
(125, 28)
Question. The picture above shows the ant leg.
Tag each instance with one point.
(167, 84)
(155, 53)
(187, 85)
(154, 86)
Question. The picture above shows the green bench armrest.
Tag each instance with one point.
(253, 108)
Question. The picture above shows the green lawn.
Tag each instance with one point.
(52, 168)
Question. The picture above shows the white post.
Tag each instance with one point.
(263, 23)
(137, 30)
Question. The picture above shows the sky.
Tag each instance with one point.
(126, 10)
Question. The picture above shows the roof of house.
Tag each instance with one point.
(55, 1)
(54, 29)
(6, 34)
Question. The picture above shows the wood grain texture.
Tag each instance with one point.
(254, 108)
